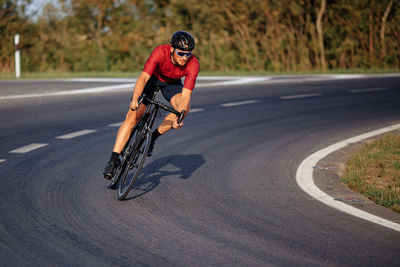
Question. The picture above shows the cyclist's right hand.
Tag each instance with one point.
(134, 104)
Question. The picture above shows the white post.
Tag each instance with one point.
(17, 57)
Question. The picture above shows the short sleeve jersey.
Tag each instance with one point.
(159, 64)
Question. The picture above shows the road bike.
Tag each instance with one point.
(135, 151)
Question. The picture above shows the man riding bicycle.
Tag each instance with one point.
(165, 67)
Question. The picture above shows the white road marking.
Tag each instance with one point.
(217, 81)
(234, 81)
(299, 96)
(221, 81)
(2, 160)
(76, 134)
(304, 178)
(346, 76)
(368, 90)
(194, 110)
(28, 148)
(240, 103)
(100, 80)
(120, 87)
(115, 124)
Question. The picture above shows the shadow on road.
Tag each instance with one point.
(151, 175)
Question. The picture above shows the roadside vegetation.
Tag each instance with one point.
(69, 36)
(374, 171)
(135, 74)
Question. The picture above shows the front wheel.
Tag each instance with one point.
(125, 155)
(134, 165)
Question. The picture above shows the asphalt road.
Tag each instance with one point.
(220, 191)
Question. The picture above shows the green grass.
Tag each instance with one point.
(374, 171)
(56, 75)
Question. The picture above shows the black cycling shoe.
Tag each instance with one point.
(110, 168)
(150, 152)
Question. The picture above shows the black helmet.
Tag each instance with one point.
(183, 41)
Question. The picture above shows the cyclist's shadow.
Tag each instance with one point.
(152, 173)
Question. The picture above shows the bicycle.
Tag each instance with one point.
(135, 151)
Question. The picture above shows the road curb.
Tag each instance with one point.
(315, 163)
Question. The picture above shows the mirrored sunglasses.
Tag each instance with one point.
(182, 54)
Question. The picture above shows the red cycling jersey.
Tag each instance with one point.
(159, 64)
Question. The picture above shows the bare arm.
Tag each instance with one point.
(138, 90)
(183, 104)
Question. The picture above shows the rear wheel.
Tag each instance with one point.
(134, 165)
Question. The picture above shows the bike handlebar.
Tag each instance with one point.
(161, 105)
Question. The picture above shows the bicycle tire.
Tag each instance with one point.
(121, 168)
(134, 166)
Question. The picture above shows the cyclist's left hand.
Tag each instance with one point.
(175, 124)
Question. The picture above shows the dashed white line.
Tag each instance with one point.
(2, 160)
(299, 96)
(115, 124)
(365, 90)
(240, 103)
(76, 134)
(194, 110)
(304, 178)
(28, 148)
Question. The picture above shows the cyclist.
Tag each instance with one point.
(166, 66)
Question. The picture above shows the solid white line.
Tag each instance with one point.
(76, 134)
(346, 76)
(221, 78)
(219, 81)
(368, 90)
(130, 80)
(127, 87)
(28, 148)
(100, 80)
(246, 102)
(236, 81)
(299, 96)
(121, 87)
(304, 178)
(2, 160)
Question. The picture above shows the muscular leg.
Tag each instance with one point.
(131, 119)
(166, 124)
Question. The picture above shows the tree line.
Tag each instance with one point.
(247, 35)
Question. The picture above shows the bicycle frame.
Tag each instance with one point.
(142, 130)
(149, 117)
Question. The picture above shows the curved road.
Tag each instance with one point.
(221, 191)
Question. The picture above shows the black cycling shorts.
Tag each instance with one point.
(168, 89)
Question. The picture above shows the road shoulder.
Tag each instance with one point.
(327, 176)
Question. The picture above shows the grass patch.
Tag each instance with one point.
(374, 171)
(135, 74)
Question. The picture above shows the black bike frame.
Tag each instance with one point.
(152, 113)
(142, 128)
(157, 107)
